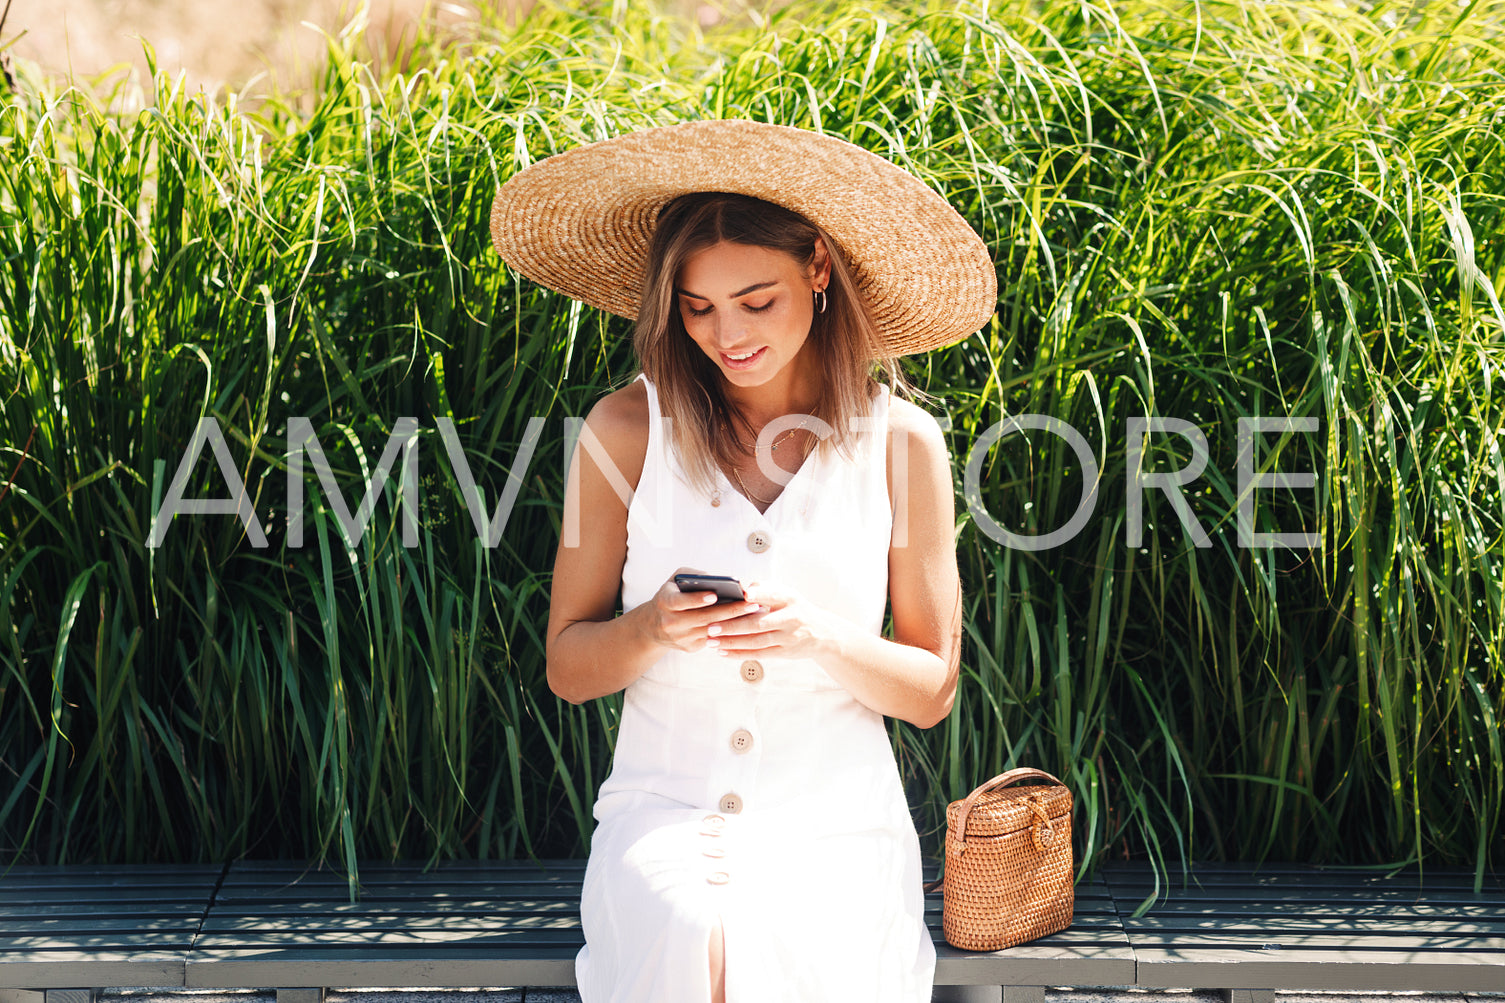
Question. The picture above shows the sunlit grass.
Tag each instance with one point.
(1210, 213)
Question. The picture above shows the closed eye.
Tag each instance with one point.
(746, 306)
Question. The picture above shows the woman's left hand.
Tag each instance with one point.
(791, 626)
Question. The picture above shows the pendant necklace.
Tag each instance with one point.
(768, 501)
(778, 439)
(773, 448)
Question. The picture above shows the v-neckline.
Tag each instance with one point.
(809, 461)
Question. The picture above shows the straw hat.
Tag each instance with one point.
(580, 222)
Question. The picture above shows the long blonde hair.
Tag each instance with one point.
(845, 340)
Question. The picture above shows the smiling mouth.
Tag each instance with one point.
(743, 358)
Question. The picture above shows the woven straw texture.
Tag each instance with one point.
(580, 222)
(1010, 879)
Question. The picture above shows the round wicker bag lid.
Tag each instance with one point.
(580, 222)
(999, 812)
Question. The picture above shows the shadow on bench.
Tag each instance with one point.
(68, 932)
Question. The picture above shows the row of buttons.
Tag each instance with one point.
(712, 825)
(741, 741)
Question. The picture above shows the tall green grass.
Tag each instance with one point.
(1208, 213)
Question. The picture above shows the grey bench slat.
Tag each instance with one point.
(245, 926)
(417, 886)
(80, 969)
(1297, 887)
(1087, 913)
(89, 940)
(181, 927)
(1294, 891)
(114, 870)
(63, 910)
(1222, 868)
(1311, 875)
(1272, 927)
(416, 911)
(64, 896)
(255, 874)
(1029, 965)
(1251, 969)
(272, 898)
(20, 888)
(395, 939)
(1293, 940)
(552, 867)
(456, 967)
(369, 890)
(295, 896)
(385, 932)
(1268, 898)
(1397, 910)
(214, 947)
(1308, 928)
(86, 926)
(1339, 872)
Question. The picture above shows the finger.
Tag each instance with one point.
(752, 621)
(712, 623)
(731, 611)
(765, 595)
(695, 600)
(671, 598)
(765, 643)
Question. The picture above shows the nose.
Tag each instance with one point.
(727, 337)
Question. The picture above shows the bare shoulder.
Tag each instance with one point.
(923, 437)
(619, 422)
(621, 412)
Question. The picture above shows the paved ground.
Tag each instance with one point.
(569, 996)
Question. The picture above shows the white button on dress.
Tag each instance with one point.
(756, 793)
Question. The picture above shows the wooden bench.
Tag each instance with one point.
(472, 924)
(67, 932)
(1250, 932)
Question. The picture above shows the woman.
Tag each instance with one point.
(753, 841)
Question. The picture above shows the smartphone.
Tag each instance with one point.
(727, 589)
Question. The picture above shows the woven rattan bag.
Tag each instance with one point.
(1008, 863)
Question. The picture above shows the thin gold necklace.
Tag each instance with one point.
(778, 439)
(770, 501)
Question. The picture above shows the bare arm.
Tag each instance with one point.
(590, 650)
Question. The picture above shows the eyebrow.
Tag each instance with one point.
(740, 292)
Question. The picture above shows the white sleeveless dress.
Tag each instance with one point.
(756, 792)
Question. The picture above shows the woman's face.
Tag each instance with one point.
(748, 308)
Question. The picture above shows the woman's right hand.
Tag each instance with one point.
(675, 619)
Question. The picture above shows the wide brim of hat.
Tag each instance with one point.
(580, 222)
